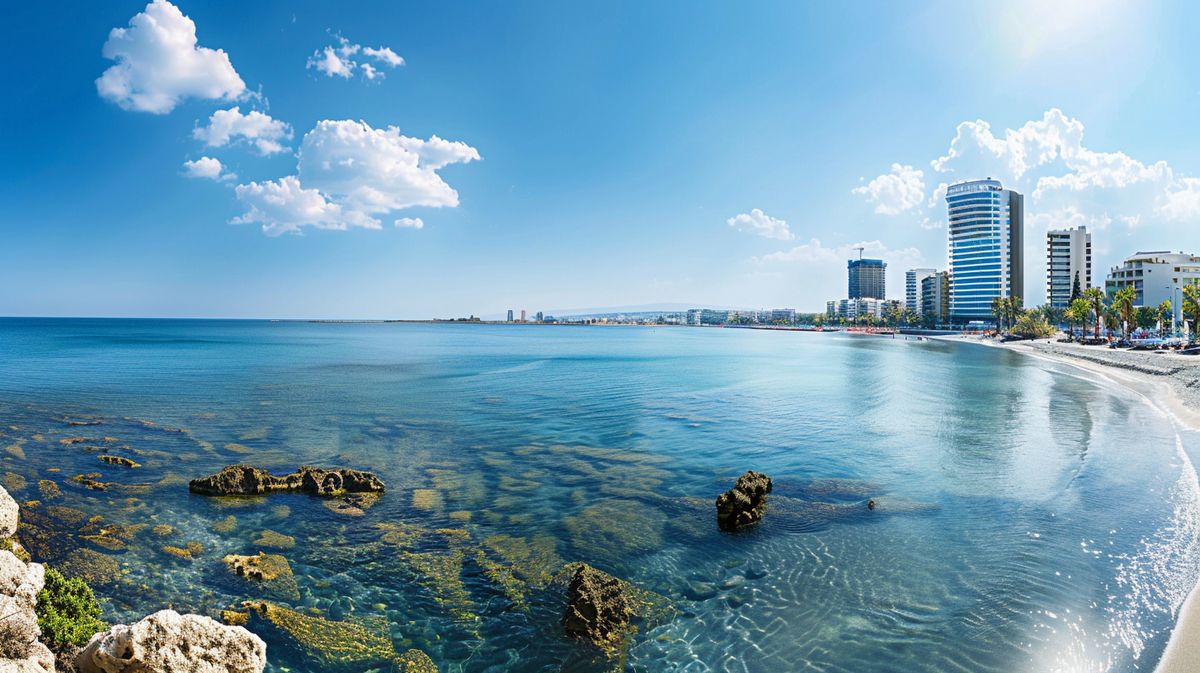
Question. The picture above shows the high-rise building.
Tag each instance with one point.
(522, 315)
(1068, 264)
(935, 297)
(538, 316)
(1157, 276)
(912, 287)
(510, 316)
(986, 237)
(867, 278)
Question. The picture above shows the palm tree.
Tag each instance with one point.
(1078, 312)
(1191, 304)
(1123, 302)
(1164, 313)
(1095, 299)
(998, 311)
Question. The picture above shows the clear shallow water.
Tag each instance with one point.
(1029, 520)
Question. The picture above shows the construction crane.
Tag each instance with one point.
(860, 251)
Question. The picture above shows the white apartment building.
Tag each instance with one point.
(1068, 259)
(1157, 276)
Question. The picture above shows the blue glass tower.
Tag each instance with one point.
(986, 260)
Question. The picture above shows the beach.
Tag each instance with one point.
(1171, 382)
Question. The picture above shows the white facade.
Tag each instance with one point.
(1068, 257)
(912, 287)
(853, 308)
(1157, 276)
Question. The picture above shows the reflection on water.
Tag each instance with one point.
(1029, 520)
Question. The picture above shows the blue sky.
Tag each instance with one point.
(563, 155)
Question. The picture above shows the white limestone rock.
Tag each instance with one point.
(20, 650)
(8, 514)
(168, 642)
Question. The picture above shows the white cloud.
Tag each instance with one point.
(208, 168)
(225, 126)
(895, 192)
(1181, 201)
(283, 206)
(384, 55)
(159, 63)
(410, 223)
(758, 222)
(815, 252)
(353, 173)
(339, 60)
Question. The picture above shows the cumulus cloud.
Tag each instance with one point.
(207, 168)
(282, 206)
(758, 222)
(895, 192)
(352, 174)
(410, 223)
(226, 126)
(341, 60)
(1131, 202)
(159, 63)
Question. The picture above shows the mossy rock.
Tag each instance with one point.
(177, 552)
(427, 499)
(119, 460)
(272, 571)
(93, 567)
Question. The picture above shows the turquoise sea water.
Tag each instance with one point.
(1030, 519)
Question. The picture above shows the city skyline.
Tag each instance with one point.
(399, 163)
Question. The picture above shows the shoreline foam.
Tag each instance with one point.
(1168, 382)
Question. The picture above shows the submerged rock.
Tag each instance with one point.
(333, 644)
(600, 607)
(271, 570)
(744, 504)
(248, 480)
(168, 642)
(119, 460)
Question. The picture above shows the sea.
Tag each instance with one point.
(1030, 517)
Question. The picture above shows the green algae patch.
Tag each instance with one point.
(440, 573)
(14, 482)
(121, 461)
(94, 568)
(49, 489)
(332, 644)
(274, 540)
(225, 526)
(534, 561)
(461, 515)
(427, 499)
(177, 552)
(400, 534)
(415, 661)
(238, 448)
(281, 511)
(615, 529)
(163, 530)
(15, 451)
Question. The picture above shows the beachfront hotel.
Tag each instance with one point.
(1157, 276)
(912, 287)
(1068, 264)
(985, 239)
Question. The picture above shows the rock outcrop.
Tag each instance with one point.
(744, 504)
(20, 582)
(249, 480)
(168, 642)
(600, 607)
